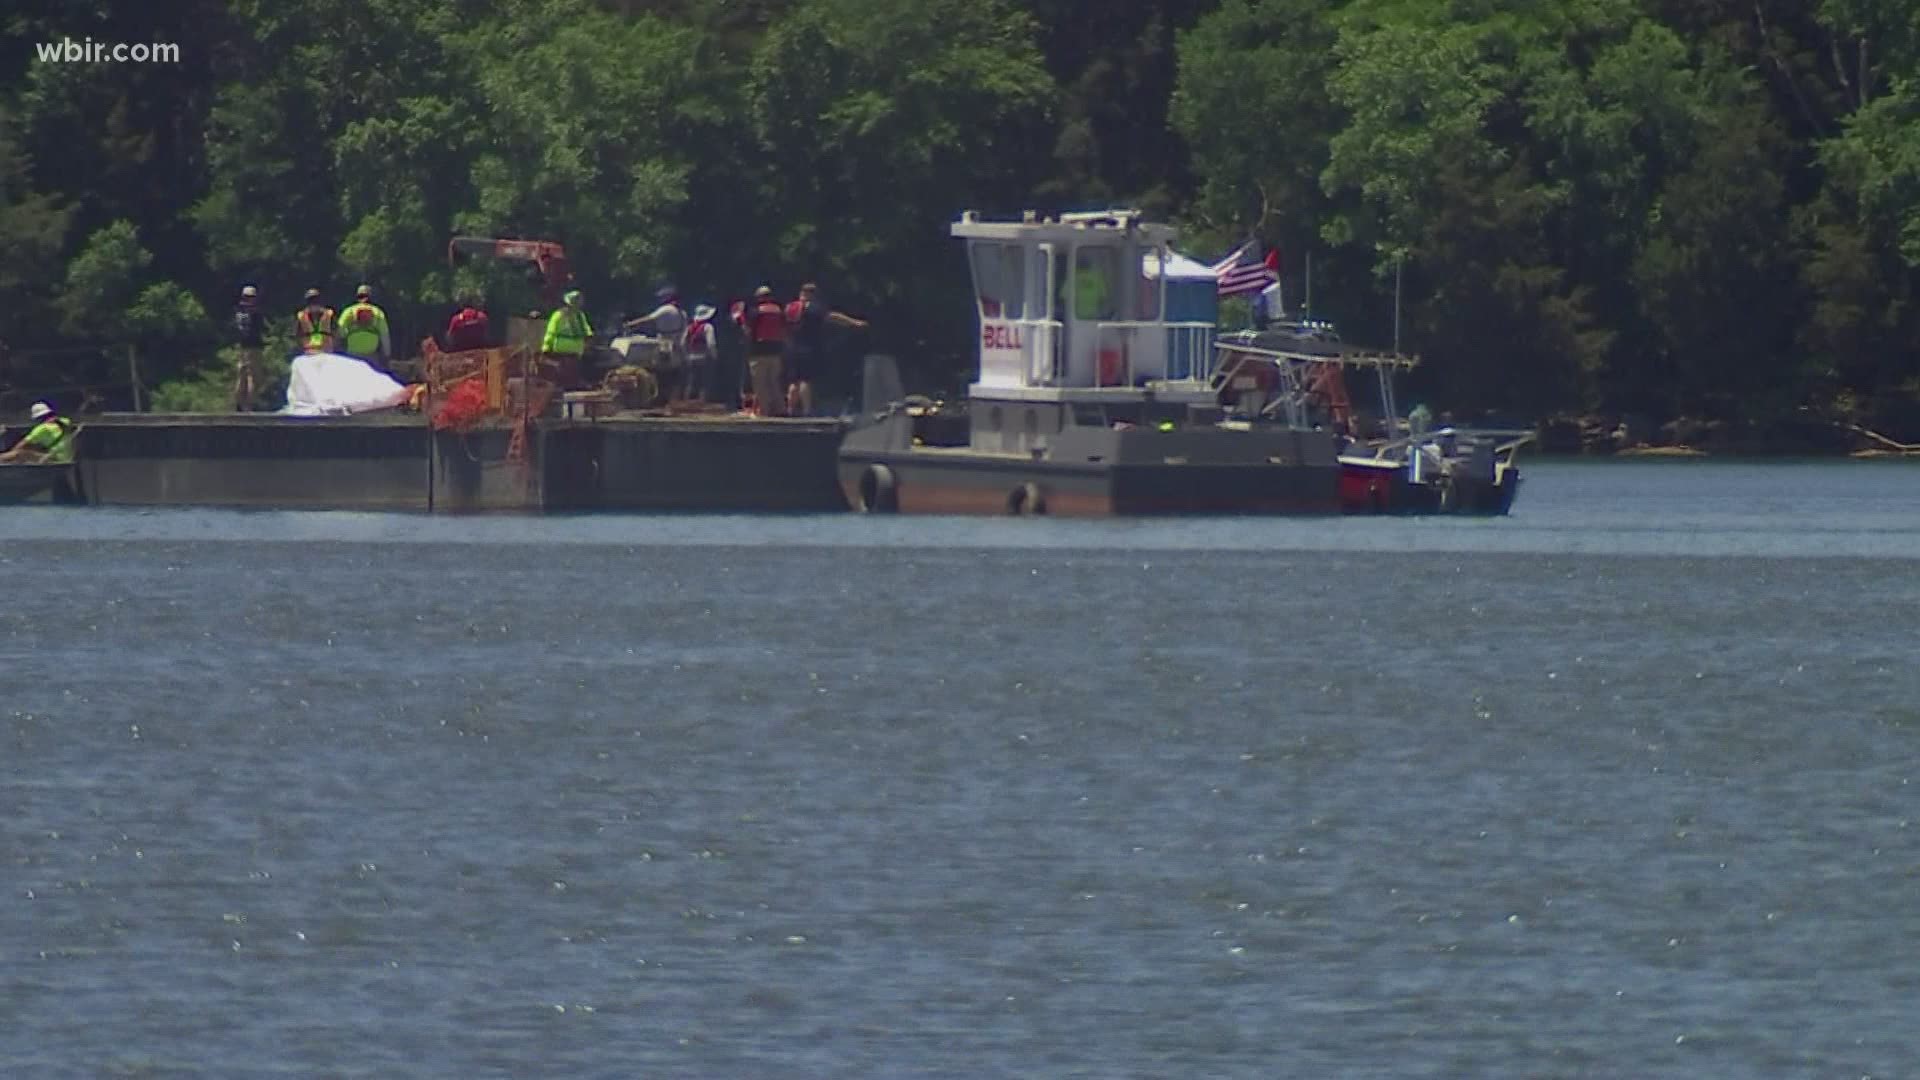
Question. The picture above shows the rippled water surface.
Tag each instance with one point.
(1618, 786)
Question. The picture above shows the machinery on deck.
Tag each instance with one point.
(546, 261)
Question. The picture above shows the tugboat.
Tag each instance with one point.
(1089, 400)
(1448, 470)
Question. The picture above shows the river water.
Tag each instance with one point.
(1618, 786)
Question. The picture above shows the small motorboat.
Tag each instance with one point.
(1412, 470)
(38, 484)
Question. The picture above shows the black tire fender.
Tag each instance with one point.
(1027, 500)
(879, 491)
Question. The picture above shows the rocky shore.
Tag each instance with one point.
(1628, 436)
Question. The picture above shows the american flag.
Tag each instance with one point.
(1246, 270)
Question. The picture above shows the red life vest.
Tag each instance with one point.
(467, 330)
(697, 338)
(767, 323)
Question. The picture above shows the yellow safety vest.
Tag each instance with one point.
(567, 332)
(362, 338)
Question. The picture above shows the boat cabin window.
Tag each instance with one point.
(1000, 279)
(1096, 282)
(1146, 306)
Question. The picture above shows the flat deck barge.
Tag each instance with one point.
(399, 462)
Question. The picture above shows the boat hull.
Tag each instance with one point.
(1384, 487)
(38, 484)
(922, 482)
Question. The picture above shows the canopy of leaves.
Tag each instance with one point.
(1665, 206)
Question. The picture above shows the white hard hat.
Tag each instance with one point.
(40, 411)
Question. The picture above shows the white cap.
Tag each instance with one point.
(40, 411)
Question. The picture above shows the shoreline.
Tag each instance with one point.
(1689, 440)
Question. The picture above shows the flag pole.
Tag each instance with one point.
(1307, 307)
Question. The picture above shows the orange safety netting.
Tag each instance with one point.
(462, 407)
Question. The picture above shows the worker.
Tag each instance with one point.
(468, 329)
(1090, 290)
(249, 337)
(669, 323)
(363, 330)
(49, 442)
(807, 320)
(766, 341)
(314, 325)
(565, 341)
(703, 348)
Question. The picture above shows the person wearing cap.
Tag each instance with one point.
(314, 325)
(766, 344)
(50, 442)
(669, 322)
(249, 337)
(363, 330)
(703, 347)
(807, 320)
(566, 338)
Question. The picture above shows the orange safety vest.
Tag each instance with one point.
(312, 330)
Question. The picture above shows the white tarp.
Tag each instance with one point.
(1179, 268)
(328, 384)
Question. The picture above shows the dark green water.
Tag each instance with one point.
(1618, 786)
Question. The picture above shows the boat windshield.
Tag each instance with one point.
(1000, 279)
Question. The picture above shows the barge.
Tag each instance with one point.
(398, 462)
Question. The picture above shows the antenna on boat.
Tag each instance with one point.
(1306, 309)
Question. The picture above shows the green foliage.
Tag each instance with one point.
(32, 226)
(1252, 105)
(1703, 206)
(880, 121)
(209, 388)
(102, 281)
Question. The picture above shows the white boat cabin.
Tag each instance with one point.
(1074, 308)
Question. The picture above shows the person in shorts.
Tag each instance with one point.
(250, 335)
(807, 320)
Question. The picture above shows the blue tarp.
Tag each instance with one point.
(1192, 296)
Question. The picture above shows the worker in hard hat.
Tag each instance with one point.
(50, 442)
(568, 331)
(314, 325)
(249, 337)
(363, 330)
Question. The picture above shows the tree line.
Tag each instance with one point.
(1668, 207)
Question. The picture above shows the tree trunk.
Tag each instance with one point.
(133, 376)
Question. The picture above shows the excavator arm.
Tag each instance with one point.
(545, 260)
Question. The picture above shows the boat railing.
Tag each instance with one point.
(1344, 355)
(1126, 352)
(1506, 442)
